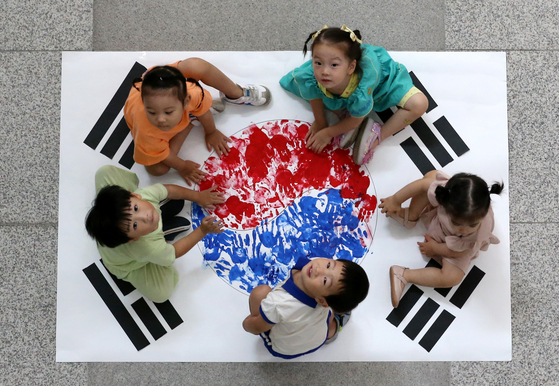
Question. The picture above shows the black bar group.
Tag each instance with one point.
(140, 306)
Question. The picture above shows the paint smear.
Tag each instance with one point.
(320, 224)
(283, 202)
(269, 167)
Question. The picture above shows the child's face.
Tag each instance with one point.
(320, 278)
(164, 110)
(144, 218)
(332, 68)
(465, 228)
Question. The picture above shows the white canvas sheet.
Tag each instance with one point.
(470, 90)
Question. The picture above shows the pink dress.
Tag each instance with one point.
(440, 228)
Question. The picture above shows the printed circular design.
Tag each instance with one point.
(283, 202)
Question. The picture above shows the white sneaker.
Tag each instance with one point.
(253, 95)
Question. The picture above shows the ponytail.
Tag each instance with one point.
(496, 188)
(442, 194)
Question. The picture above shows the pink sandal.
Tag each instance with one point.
(397, 284)
(363, 148)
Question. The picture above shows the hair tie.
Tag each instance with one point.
(319, 31)
(352, 35)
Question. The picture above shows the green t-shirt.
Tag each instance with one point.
(151, 248)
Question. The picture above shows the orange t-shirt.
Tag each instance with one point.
(151, 145)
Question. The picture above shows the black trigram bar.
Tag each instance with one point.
(169, 313)
(113, 108)
(116, 307)
(406, 304)
(116, 139)
(451, 136)
(127, 159)
(437, 330)
(145, 313)
(467, 287)
(430, 140)
(417, 156)
(124, 286)
(420, 319)
(417, 83)
(434, 264)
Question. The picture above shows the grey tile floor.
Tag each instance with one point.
(32, 35)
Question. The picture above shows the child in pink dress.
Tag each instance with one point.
(459, 219)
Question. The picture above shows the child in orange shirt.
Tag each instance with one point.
(158, 112)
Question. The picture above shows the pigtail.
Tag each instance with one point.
(358, 34)
(136, 80)
(496, 188)
(192, 80)
(442, 194)
(307, 42)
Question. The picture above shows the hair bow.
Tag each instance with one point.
(351, 34)
(319, 31)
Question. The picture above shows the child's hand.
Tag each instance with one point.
(210, 225)
(317, 139)
(389, 205)
(191, 173)
(209, 197)
(218, 141)
(427, 247)
(315, 128)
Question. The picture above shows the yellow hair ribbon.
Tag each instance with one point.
(319, 31)
(351, 34)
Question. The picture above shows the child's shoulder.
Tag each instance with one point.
(153, 193)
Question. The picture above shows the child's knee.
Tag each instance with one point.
(159, 169)
(418, 104)
(452, 277)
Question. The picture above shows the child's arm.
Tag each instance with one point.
(393, 203)
(206, 198)
(208, 225)
(214, 137)
(320, 122)
(187, 169)
(255, 324)
(431, 248)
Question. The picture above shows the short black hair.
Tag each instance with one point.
(107, 219)
(354, 288)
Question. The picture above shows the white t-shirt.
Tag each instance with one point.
(300, 323)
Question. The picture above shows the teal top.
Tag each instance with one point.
(383, 82)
